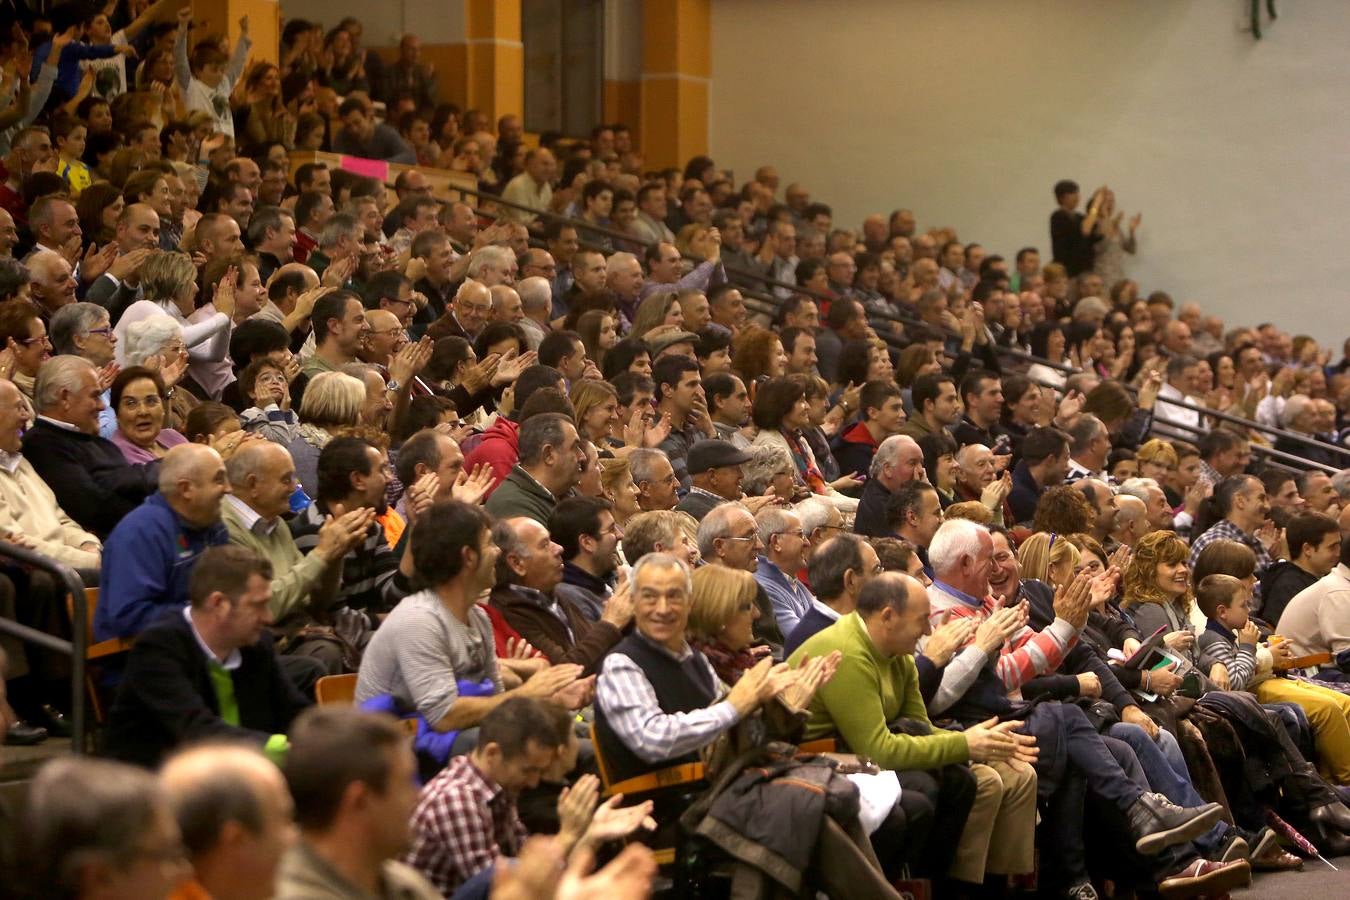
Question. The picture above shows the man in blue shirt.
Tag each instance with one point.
(785, 548)
(148, 558)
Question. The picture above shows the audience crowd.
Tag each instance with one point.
(610, 481)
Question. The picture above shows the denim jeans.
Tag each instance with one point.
(1165, 769)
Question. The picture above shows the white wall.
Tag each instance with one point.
(968, 111)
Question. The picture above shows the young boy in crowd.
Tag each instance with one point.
(208, 78)
(1230, 640)
(70, 134)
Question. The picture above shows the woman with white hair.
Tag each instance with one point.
(169, 286)
(332, 400)
(156, 342)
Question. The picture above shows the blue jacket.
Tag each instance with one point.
(68, 72)
(147, 561)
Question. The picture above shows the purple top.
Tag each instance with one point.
(136, 455)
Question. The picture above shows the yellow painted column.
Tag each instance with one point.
(676, 67)
(264, 23)
(495, 58)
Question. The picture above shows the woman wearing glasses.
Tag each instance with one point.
(25, 346)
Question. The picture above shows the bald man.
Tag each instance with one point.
(217, 236)
(149, 556)
(1131, 520)
(468, 313)
(506, 305)
(385, 337)
(236, 817)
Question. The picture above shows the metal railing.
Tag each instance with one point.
(75, 648)
(766, 302)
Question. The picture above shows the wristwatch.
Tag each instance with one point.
(394, 385)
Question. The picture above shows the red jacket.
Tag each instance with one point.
(499, 448)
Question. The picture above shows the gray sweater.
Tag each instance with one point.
(421, 651)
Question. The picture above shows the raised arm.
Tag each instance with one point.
(240, 55)
(181, 67)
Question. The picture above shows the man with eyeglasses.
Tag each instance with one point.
(385, 337)
(729, 536)
(785, 549)
(467, 315)
(658, 700)
(839, 566)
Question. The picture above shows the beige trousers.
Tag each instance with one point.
(1000, 834)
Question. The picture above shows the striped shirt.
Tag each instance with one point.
(1029, 653)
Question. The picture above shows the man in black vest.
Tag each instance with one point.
(658, 700)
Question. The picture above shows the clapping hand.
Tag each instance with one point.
(470, 488)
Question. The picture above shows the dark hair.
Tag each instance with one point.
(908, 498)
(422, 412)
(535, 378)
(330, 748)
(1219, 440)
(557, 345)
(1063, 189)
(1063, 509)
(573, 518)
(669, 370)
(927, 388)
(629, 384)
(440, 537)
(1040, 336)
(130, 374)
(495, 333)
(619, 357)
(332, 305)
(248, 379)
(227, 569)
(257, 338)
(830, 561)
(446, 355)
(1216, 590)
(973, 380)
(894, 554)
(547, 400)
(854, 360)
(1226, 491)
(339, 458)
(538, 432)
(718, 386)
(934, 446)
(520, 721)
(1308, 528)
(774, 400)
(843, 311)
(382, 286)
(1042, 443)
(710, 340)
(880, 593)
(205, 418)
(874, 395)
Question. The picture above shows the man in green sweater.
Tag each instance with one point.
(262, 478)
(873, 704)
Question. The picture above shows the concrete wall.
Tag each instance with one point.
(968, 111)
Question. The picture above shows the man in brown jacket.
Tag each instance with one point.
(529, 569)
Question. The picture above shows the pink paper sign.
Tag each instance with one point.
(369, 168)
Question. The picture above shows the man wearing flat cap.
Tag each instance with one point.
(715, 467)
(673, 343)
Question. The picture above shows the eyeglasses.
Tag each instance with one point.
(34, 340)
(753, 537)
(105, 330)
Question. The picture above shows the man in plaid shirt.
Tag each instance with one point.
(466, 816)
(1242, 501)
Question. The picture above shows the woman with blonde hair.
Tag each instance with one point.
(597, 409)
(169, 286)
(1049, 558)
(1157, 460)
(616, 483)
(722, 615)
(332, 400)
(659, 311)
(757, 353)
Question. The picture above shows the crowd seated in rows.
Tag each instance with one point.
(630, 506)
